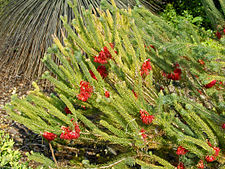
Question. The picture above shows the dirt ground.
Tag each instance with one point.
(25, 140)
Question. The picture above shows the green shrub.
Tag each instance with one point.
(193, 8)
(9, 158)
(127, 78)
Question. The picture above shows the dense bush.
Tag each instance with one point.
(130, 80)
(193, 8)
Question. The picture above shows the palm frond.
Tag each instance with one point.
(27, 27)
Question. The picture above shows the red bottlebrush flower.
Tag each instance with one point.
(200, 164)
(85, 91)
(180, 166)
(224, 30)
(223, 126)
(103, 71)
(92, 75)
(135, 94)
(107, 94)
(49, 136)
(73, 135)
(211, 84)
(143, 134)
(68, 134)
(83, 96)
(210, 158)
(77, 128)
(145, 68)
(181, 150)
(164, 74)
(65, 136)
(176, 65)
(218, 35)
(67, 110)
(101, 58)
(201, 62)
(176, 75)
(145, 117)
(217, 151)
(104, 55)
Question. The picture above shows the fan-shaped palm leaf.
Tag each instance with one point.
(27, 26)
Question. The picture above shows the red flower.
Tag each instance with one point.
(211, 84)
(67, 110)
(201, 62)
(200, 164)
(101, 58)
(217, 151)
(223, 125)
(224, 30)
(104, 55)
(77, 128)
(180, 166)
(145, 117)
(68, 134)
(107, 94)
(85, 91)
(49, 136)
(181, 150)
(83, 96)
(145, 68)
(176, 75)
(218, 34)
(210, 158)
(92, 75)
(103, 71)
(143, 134)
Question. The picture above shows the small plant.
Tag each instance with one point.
(9, 158)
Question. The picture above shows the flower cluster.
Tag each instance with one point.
(200, 164)
(180, 166)
(211, 158)
(144, 136)
(145, 68)
(49, 136)
(68, 134)
(67, 110)
(102, 70)
(211, 84)
(181, 150)
(219, 33)
(176, 75)
(104, 55)
(223, 126)
(107, 94)
(85, 91)
(146, 117)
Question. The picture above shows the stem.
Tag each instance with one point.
(53, 155)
